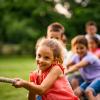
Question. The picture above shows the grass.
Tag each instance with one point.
(13, 67)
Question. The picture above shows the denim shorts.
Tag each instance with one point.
(94, 86)
(76, 76)
(38, 97)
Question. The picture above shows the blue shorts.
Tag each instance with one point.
(76, 76)
(38, 97)
(94, 86)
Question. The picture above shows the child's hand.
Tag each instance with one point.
(68, 71)
(18, 83)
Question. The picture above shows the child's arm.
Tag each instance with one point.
(52, 76)
(70, 63)
(77, 66)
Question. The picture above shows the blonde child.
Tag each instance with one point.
(48, 81)
(89, 67)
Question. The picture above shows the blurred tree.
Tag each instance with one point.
(27, 20)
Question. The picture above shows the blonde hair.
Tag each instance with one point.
(54, 45)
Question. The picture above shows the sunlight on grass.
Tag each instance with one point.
(15, 67)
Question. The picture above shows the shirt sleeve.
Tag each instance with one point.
(33, 77)
(89, 58)
(74, 58)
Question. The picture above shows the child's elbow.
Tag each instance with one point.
(42, 91)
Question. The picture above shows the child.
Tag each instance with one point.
(49, 80)
(56, 31)
(94, 46)
(75, 78)
(91, 30)
(89, 67)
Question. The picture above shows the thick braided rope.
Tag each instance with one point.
(6, 80)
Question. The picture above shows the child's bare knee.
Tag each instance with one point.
(89, 92)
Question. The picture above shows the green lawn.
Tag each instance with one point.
(15, 67)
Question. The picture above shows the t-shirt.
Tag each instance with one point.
(69, 57)
(65, 53)
(92, 70)
(97, 53)
(96, 35)
(60, 90)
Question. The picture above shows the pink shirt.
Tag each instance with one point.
(96, 52)
(60, 90)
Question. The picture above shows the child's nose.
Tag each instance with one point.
(78, 51)
(41, 60)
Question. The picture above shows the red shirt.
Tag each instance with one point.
(60, 90)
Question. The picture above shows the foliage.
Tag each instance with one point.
(27, 20)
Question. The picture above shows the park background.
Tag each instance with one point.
(22, 22)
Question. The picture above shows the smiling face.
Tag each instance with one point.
(80, 49)
(44, 57)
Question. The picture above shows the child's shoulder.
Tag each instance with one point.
(58, 65)
(91, 58)
(35, 72)
(90, 55)
(33, 75)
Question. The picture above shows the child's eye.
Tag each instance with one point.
(39, 55)
(46, 57)
(57, 38)
(81, 48)
(51, 37)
